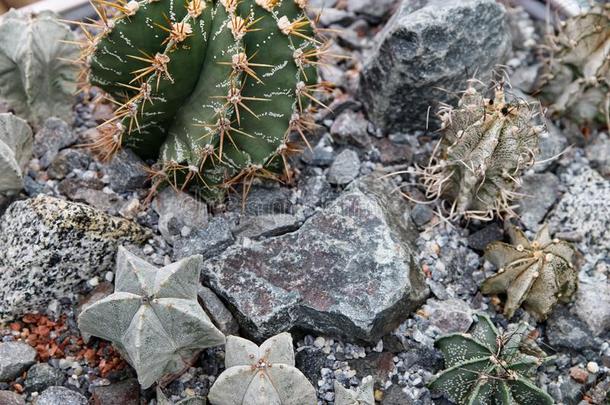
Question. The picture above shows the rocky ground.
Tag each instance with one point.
(333, 257)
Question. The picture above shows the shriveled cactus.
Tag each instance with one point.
(575, 81)
(486, 146)
(536, 274)
(213, 88)
(37, 77)
(153, 317)
(364, 395)
(485, 366)
(261, 375)
(15, 152)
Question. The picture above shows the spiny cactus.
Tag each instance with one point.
(364, 395)
(37, 79)
(153, 317)
(261, 375)
(485, 366)
(535, 274)
(15, 152)
(213, 88)
(575, 81)
(486, 146)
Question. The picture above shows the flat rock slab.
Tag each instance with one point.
(349, 271)
(15, 358)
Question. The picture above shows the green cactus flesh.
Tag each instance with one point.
(211, 88)
(485, 366)
(536, 274)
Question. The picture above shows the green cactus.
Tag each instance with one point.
(261, 375)
(213, 88)
(536, 274)
(153, 317)
(37, 77)
(485, 366)
(15, 152)
(486, 146)
(364, 394)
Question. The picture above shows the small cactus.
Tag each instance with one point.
(536, 274)
(364, 394)
(486, 146)
(153, 317)
(261, 375)
(37, 78)
(15, 152)
(485, 366)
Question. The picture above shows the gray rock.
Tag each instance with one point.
(330, 16)
(120, 393)
(375, 11)
(208, 241)
(541, 191)
(571, 391)
(567, 331)
(263, 226)
(427, 51)
(552, 144)
(351, 128)
(592, 304)
(11, 398)
(126, 171)
(218, 312)
(54, 135)
(344, 169)
(450, 316)
(42, 376)
(66, 161)
(422, 214)
(598, 153)
(177, 210)
(263, 200)
(322, 154)
(483, 237)
(350, 270)
(60, 396)
(15, 358)
(49, 246)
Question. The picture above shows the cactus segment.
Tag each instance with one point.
(16, 142)
(363, 395)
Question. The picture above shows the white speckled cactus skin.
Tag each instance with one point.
(363, 395)
(15, 152)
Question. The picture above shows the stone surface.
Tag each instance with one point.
(66, 161)
(255, 227)
(598, 153)
(42, 376)
(592, 304)
(54, 135)
(126, 172)
(15, 358)
(11, 398)
(349, 270)
(427, 51)
(541, 191)
(49, 246)
(375, 12)
(350, 127)
(565, 330)
(450, 316)
(60, 395)
(124, 393)
(217, 311)
(344, 169)
(483, 237)
(178, 210)
(208, 241)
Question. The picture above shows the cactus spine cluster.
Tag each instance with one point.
(213, 88)
(15, 152)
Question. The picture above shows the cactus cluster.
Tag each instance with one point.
(536, 274)
(363, 395)
(15, 152)
(212, 88)
(37, 78)
(485, 366)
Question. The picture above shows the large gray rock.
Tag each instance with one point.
(15, 358)
(427, 51)
(541, 191)
(49, 246)
(592, 304)
(350, 270)
(177, 211)
(60, 395)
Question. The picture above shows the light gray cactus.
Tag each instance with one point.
(153, 318)
(261, 375)
(363, 395)
(163, 400)
(37, 78)
(15, 152)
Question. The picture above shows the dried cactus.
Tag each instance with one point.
(364, 395)
(153, 317)
(211, 87)
(15, 152)
(37, 79)
(535, 274)
(261, 375)
(488, 367)
(575, 80)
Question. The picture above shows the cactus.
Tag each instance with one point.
(575, 80)
(486, 146)
(536, 274)
(15, 152)
(364, 395)
(488, 367)
(37, 79)
(261, 375)
(153, 317)
(163, 400)
(213, 88)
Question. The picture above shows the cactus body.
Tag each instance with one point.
(536, 274)
(15, 152)
(37, 79)
(212, 88)
(485, 366)
(364, 395)
(261, 375)
(153, 317)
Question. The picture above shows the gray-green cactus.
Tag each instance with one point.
(153, 317)
(261, 375)
(163, 400)
(363, 395)
(37, 75)
(536, 274)
(485, 366)
(15, 152)
(486, 146)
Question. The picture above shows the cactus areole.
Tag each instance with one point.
(212, 88)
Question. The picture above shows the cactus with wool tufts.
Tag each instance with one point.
(486, 146)
(485, 366)
(575, 80)
(536, 274)
(37, 79)
(363, 395)
(213, 88)
(15, 151)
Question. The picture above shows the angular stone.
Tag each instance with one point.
(217, 311)
(483, 237)
(592, 304)
(541, 192)
(60, 395)
(177, 210)
(565, 330)
(263, 226)
(349, 270)
(450, 316)
(350, 127)
(42, 376)
(66, 161)
(126, 171)
(208, 241)
(15, 358)
(344, 169)
(125, 393)
(425, 53)
(54, 135)
(11, 398)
